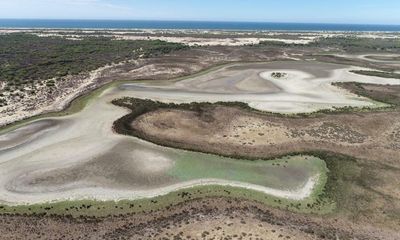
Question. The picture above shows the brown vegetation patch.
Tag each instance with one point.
(196, 219)
(232, 131)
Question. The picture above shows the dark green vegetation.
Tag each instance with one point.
(26, 58)
(347, 44)
(377, 73)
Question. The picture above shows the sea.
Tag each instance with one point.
(203, 25)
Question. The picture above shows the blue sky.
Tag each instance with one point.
(317, 11)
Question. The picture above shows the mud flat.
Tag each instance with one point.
(306, 88)
(25, 134)
(80, 157)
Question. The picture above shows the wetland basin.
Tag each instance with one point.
(80, 157)
(306, 87)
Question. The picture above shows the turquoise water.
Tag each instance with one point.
(131, 24)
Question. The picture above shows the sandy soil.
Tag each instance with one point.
(196, 41)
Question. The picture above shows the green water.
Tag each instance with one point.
(283, 173)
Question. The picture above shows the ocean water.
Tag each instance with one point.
(136, 24)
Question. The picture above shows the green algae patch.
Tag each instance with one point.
(314, 204)
(287, 173)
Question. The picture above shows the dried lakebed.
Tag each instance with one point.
(305, 87)
(80, 157)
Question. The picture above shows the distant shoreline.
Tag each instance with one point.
(178, 29)
(191, 25)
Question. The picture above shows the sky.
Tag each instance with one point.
(304, 11)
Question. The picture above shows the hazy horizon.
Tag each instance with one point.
(369, 12)
(211, 21)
